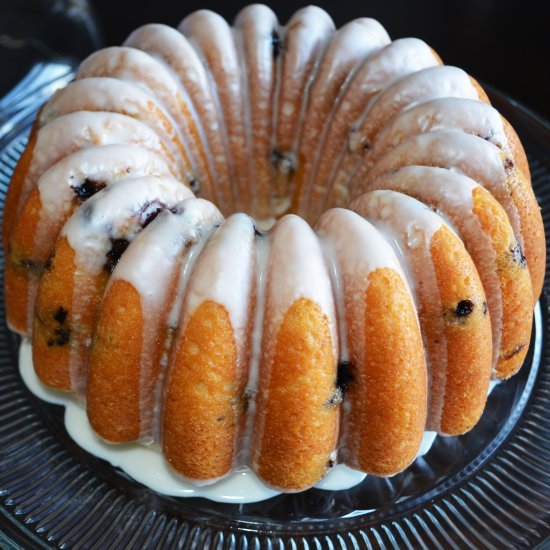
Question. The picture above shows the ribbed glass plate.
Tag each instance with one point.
(488, 489)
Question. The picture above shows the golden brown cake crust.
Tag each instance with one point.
(296, 394)
(113, 391)
(204, 405)
(53, 310)
(54, 340)
(480, 91)
(515, 284)
(468, 331)
(25, 261)
(517, 149)
(16, 187)
(388, 393)
(532, 227)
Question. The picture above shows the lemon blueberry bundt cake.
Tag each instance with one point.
(277, 246)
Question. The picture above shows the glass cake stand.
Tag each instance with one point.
(489, 488)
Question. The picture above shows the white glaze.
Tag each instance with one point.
(262, 245)
(117, 212)
(156, 254)
(210, 34)
(113, 95)
(156, 248)
(255, 28)
(173, 49)
(313, 32)
(340, 477)
(185, 276)
(400, 58)
(305, 38)
(471, 116)
(433, 82)
(336, 161)
(347, 49)
(249, 199)
(139, 68)
(225, 274)
(335, 272)
(159, 81)
(104, 163)
(69, 133)
(470, 155)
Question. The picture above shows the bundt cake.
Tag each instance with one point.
(285, 247)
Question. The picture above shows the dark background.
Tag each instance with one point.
(501, 43)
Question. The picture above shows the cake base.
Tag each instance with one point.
(146, 465)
